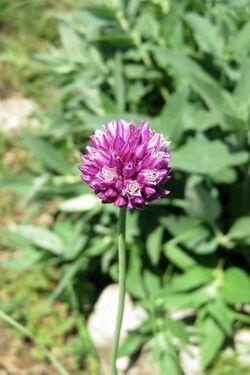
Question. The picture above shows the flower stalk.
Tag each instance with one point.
(122, 286)
(126, 165)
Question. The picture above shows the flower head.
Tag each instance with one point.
(125, 165)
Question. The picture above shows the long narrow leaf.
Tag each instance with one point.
(46, 153)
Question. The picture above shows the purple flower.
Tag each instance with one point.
(125, 165)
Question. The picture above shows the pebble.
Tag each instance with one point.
(14, 112)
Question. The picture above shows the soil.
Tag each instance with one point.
(15, 357)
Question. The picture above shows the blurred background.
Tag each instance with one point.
(66, 68)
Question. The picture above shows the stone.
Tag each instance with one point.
(15, 112)
(242, 346)
(101, 325)
(190, 359)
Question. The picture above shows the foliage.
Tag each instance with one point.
(49, 325)
(26, 26)
(185, 66)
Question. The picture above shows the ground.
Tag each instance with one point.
(16, 358)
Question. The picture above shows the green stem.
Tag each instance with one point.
(122, 287)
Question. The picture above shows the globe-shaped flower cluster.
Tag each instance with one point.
(126, 165)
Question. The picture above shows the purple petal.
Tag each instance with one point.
(126, 165)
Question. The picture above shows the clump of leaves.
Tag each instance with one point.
(26, 27)
(57, 326)
(185, 67)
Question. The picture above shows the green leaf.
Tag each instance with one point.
(212, 341)
(215, 97)
(136, 92)
(171, 119)
(240, 229)
(132, 227)
(236, 286)
(134, 280)
(205, 33)
(147, 25)
(65, 230)
(98, 246)
(73, 45)
(241, 43)
(202, 202)
(153, 244)
(119, 84)
(16, 184)
(13, 239)
(238, 3)
(178, 256)
(201, 156)
(99, 13)
(222, 315)
(169, 364)
(227, 176)
(68, 273)
(41, 237)
(140, 72)
(192, 278)
(75, 247)
(177, 328)
(234, 123)
(37, 185)
(200, 120)
(194, 239)
(193, 299)
(151, 281)
(116, 39)
(177, 225)
(87, 93)
(46, 153)
(203, 245)
(211, 92)
(180, 62)
(132, 344)
(27, 261)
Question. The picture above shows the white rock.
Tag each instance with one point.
(242, 346)
(101, 323)
(190, 360)
(123, 363)
(242, 339)
(181, 314)
(246, 308)
(14, 112)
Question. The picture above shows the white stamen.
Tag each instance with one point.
(159, 154)
(133, 188)
(108, 174)
(94, 155)
(151, 176)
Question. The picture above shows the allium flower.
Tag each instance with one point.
(125, 165)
